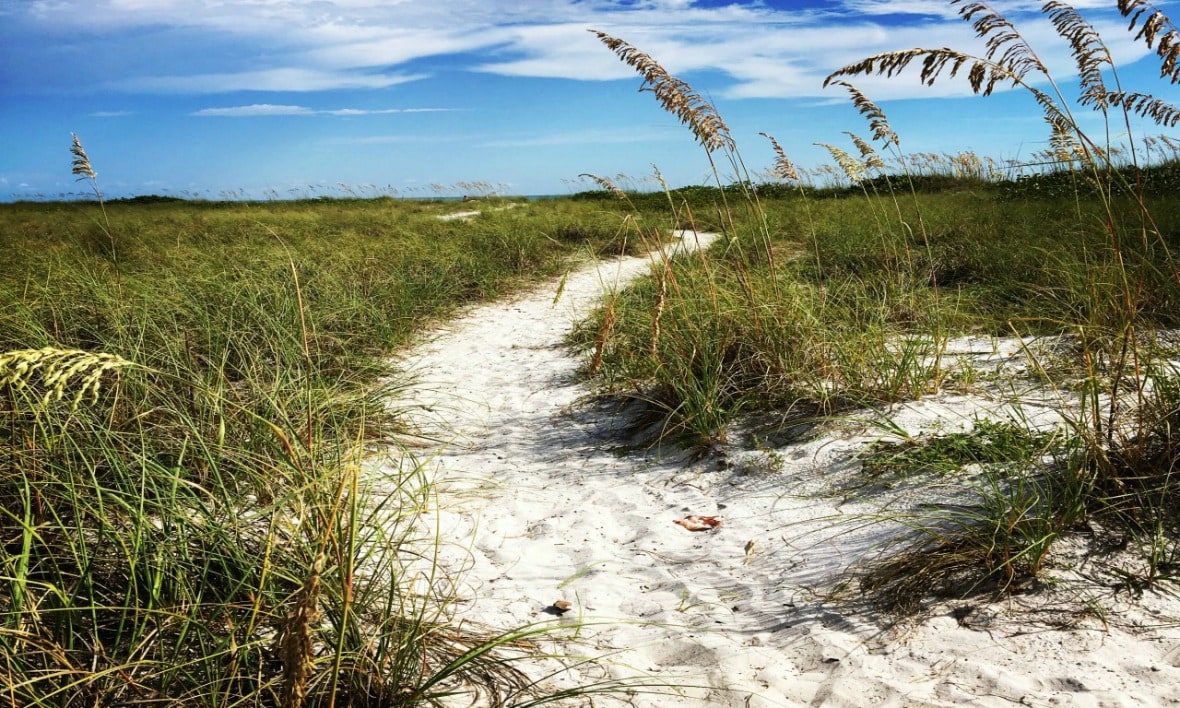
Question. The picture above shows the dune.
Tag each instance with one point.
(541, 500)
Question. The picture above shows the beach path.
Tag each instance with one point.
(539, 501)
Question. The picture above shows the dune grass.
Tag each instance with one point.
(825, 297)
(192, 394)
(193, 406)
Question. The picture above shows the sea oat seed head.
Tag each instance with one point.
(676, 96)
(783, 167)
(60, 370)
(81, 163)
(606, 184)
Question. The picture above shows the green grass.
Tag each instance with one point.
(191, 520)
(842, 290)
(987, 443)
(853, 307)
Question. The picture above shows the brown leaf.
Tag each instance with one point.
(699, 523)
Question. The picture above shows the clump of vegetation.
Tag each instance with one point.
(191, 395)
(823, 304)
(987, 443)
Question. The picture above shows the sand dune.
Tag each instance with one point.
(540, 501)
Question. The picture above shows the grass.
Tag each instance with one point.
(839, 288)
(191, 398)
(987, 443)
(191, 392)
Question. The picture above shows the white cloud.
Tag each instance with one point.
(111, 114)
(257, 109)
(942, 8)
(344, 46)
(268, 109)
(761, 50)
(589, 137)
(296, 80)
(932, 8)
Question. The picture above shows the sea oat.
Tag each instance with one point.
(853, 168)
(81, 163)
(1156, 26)
(1005, 45)
(876, 117)
(783, 167)
(1063, 143)
(606, 184)
(59, 370)
(1089, 52)
(1148, 106)
(1008, 57)
(872, 161)
(676, 96)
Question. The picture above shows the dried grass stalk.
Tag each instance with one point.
(609, 319)
(783, 167)
(676, 96)
(296, 648)
(658, 310)
(1156, 26)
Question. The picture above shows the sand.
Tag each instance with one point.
(540, 500)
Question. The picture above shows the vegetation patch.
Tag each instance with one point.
(991, 443)
(840, 287)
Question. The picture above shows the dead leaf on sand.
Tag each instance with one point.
(699, 523)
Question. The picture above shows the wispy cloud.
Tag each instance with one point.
(111, 114)
(257, 110)
(397, 139)
(589, 137)
(288, 79)
(754, 49)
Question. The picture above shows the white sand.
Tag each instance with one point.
(539, 503)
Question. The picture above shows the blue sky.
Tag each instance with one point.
(298, 97)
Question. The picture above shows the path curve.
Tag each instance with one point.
(536, 507)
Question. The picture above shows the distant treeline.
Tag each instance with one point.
(1155, 179)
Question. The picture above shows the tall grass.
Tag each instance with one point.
(190, 428)
(817, 305)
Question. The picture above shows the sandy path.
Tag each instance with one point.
(537, 507)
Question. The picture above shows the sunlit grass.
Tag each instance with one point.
(194, 399)
(840, 292)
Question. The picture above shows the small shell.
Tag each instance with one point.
(699, 523)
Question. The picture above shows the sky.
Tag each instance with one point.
(294, 98)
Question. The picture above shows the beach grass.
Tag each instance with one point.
(840, 289)
(205, 499)
(195, 396)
